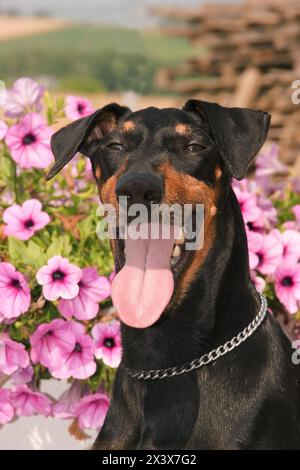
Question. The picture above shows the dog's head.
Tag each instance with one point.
(156, 156)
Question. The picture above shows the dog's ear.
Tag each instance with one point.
(84, 135)
(239, 133)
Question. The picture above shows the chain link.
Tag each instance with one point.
(212, 356)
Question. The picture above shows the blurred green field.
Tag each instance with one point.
(91, 58)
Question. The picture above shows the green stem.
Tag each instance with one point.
(14, 180)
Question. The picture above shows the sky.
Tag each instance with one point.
(122, 12)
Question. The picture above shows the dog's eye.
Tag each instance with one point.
(193, 147)
(117, 146)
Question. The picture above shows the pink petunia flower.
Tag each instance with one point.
(7, 411)
(14, 292)
(6, 320)
(22, 375)
(3, 129)
(91, 411)
(249, 206)
(258, 281)
(59, 278)
(12, 355)
(64, 408)
(23, 97)
(80, 362)
(23, 221)
(266, 252)
(245, 185)
(269, 185)
(296, 211)
(108, 343)
(269, 218)
(290, 240)
(50, 342)
(287, 286)
(267, 163)
(257, 210)
(255, 241)
(92, 289)
(28, 402)
(294, 224)
(29, 142)
(77, 107)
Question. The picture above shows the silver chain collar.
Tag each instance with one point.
(212, 356)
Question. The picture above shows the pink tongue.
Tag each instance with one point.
(144, 287)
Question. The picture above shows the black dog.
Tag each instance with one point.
(250, 397)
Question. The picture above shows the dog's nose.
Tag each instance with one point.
(140, 188)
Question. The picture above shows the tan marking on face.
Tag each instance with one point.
(98, 172)
(213, 211)
(182, 129)
(218, 173)
(107, 194)
(128, 126)
(184, 189)
(107, 191)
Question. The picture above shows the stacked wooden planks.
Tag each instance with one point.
(249, 55)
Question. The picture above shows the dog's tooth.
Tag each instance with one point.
(177, 251)
(181, 237)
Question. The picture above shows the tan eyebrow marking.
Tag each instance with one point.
(98, 172)
(218, 173)
(128, 126)
(182, 129)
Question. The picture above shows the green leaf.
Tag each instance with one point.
(86, 227)
(16, 249)
(49, 107)
(31, 255)
(60, 246)
(35, 254)
(60, 104)
(5, 169)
